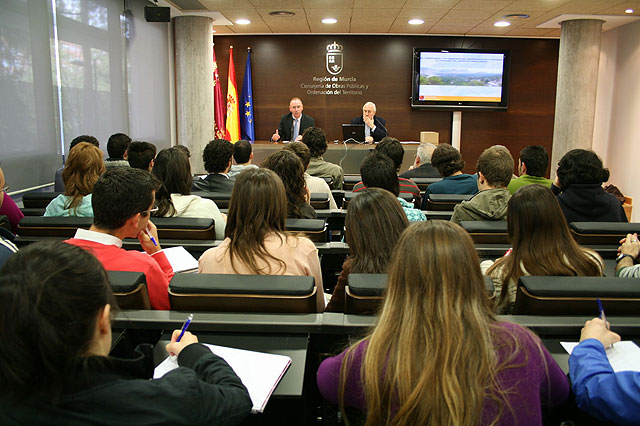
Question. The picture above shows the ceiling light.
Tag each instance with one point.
(628, 11)
(416, 21)
(329, 21)
(502, 24)
(281, 13)
(243, 21)
(516, 16)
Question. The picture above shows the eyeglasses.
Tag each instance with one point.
(5, 188)
(153, 210)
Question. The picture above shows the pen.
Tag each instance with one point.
(602, 315)
(185, 326)
(153, 240)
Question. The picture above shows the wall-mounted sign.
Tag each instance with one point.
(334, 58)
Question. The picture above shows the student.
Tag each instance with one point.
(174, 198)
(8, 207)
(56, 312)
(81, 171)
(422, 167)
(217, 157)
(316, 140)
(438, 354)
(141, 155)
(58, 185)
(532, 165)
(315, 184)
(289, 168)
(373, 225)
(242, 155)
(117, 147)
(449, 162)
(599, 391)
(541, 245)
(256, 241)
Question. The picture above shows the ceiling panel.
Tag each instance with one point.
(403, 27)
(377, 25)
(226, 4)
(277, 4)
(410, 13)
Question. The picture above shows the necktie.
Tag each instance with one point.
(296, 129)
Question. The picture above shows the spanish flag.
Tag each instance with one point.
(233, 114)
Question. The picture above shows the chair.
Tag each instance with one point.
(445, 201)
(423, 183)
(221, 199)
(602, 233)
(577, 296)
(365, 292)
(242, 293)
(329, 180)
(338, 197)
(314, 229)
(319, 200)
(438, 214)
(129, 289)
(348, 196)
(38, 199)
(350, 181)
(486, 232)
(33, 211)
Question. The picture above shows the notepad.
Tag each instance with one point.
(623, 356)
(260, 372)
(180, 259)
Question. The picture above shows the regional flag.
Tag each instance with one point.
(248, 131)
(233, 114)
(219, 108)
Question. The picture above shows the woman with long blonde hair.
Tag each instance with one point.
(81, 171)
(439, 355)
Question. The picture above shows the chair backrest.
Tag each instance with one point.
(594, 233)
(242, 293)
(350, 181)
(33, 211)
(577, 296)
(348, 196)
(438, 214)
(185, 228)
(365, 292)
(314, 229)
(487, 231)
(423, 183)
(319, 200)
(329, 180)
(220, 198)
(130, 289)
(338, 197)
(445, 201)
(38, 199)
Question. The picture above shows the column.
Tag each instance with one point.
(193, 38)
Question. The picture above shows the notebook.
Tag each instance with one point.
(260, 372)
(623, 356)
(180, 259)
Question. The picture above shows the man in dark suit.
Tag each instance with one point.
(293, 124)
(217, 161)
(374, 129)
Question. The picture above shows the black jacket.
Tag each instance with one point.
(114, 391)
(589, 203)
(425, 170)
(214, 182)
(285, 128)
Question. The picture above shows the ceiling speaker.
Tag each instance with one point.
(157, 14)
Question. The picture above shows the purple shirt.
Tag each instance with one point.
(12, 211)
(531, 386)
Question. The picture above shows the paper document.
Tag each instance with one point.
(180, 259)
(260, 372)
(623, 356)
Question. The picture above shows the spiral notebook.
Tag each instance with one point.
(260, 372)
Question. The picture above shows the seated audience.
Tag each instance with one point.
(141, 155)
(316, 185)
(316, 140)
(7, 248)
(58, 182)
(378, 171)
(438, 354)
(242, 155)
(81, 171)
(174, 198)
(449, 163)
(256, 240)
(122, 201)
(494, 169)
(373, 225)
(541, 245)
(117, 147)
(184, 150)
(289, 169)
(8, 207)
(627, 255)
(422, 167)
(532, 165)
(217, 162)
(57, 369)
(579, 189)
(599, 391)
(393, 149)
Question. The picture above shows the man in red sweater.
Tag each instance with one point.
(122, 202)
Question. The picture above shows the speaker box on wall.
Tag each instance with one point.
(157, 14)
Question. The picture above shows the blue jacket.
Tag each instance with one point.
(58, 207)
(599, 391)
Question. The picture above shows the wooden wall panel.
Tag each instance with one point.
(281, 64)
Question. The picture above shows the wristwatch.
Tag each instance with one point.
(622, 256)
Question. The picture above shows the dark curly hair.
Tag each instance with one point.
(581, 166)
(393, 149)
(447, 160)
(316, 140)
(216, 155)
(288, 167)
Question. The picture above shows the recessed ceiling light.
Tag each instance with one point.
(281, 13)
(628, 11)
(502, 24)
(329, 21)
(243, 21)
(516, 16)
(416, 21)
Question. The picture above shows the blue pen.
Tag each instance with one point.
(602, 316)
(185, 326)
(153, 240)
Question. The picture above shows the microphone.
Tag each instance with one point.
(377, 122)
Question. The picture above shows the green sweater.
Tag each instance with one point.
(524, 180)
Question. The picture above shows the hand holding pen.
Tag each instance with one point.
(181, 338)
(598, 328)
(148, 238)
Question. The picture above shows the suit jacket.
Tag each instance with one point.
(425, 170)
(285, 128)
(380, 130)
(214, 182)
